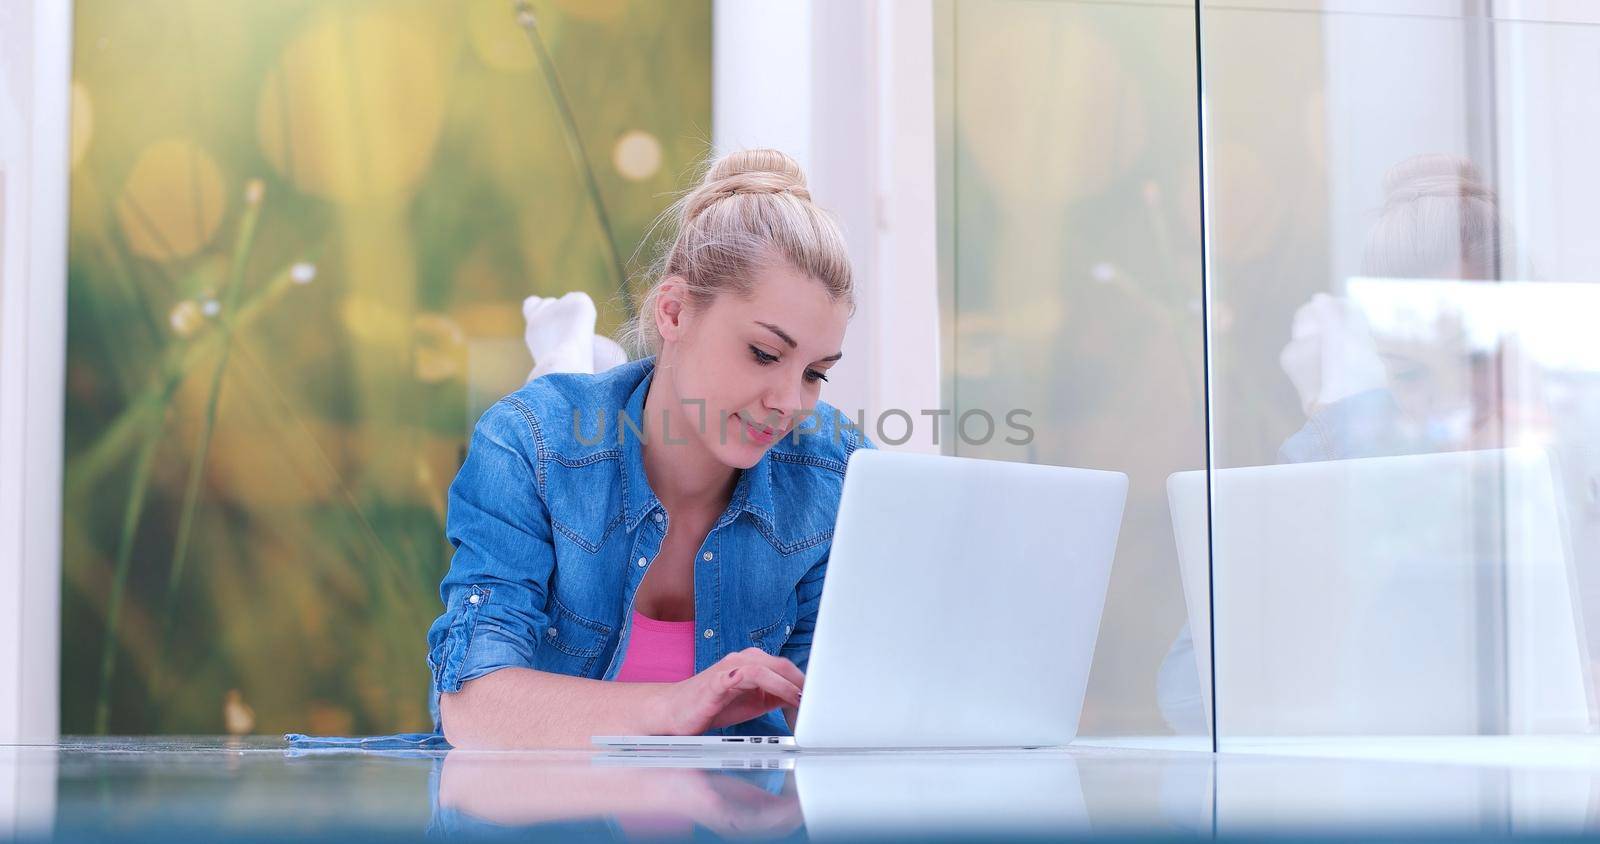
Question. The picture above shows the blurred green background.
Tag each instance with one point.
(301, 233)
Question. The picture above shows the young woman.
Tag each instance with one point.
(642, 551)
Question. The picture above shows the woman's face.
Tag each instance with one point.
(1432, 376)
(757, 364)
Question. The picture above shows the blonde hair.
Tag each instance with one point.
(751, 209)
(1439, 220)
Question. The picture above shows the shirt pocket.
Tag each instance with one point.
(772, 636)
(571, 642)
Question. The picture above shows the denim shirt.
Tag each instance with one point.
(554, 526)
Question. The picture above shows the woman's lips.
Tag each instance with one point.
(758, 433)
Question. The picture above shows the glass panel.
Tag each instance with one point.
(301, 234)
(1070, 200)
(1406, 395)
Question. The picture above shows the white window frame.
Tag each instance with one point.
(35, 96)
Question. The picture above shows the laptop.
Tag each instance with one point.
(1423, 594)
(960, 610)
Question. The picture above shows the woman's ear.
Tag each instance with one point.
(671, 309)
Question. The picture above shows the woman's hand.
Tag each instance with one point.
(1331, 354)
(741, 686)
(732, 807)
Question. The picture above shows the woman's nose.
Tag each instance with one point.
(783, 401)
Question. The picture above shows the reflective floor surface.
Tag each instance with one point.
(153, 789)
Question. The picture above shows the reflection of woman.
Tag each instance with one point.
(560, 794)
(662, 524)
(1367, 395)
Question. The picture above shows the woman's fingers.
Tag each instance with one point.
(726, 688)
(783, 667)
(750, 677)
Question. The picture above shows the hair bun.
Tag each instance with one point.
(745, 172)
(763, 166)
(1435, 177)
(1439, 220)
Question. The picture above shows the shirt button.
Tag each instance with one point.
(473, 599)
(642, 562)
(707, 555)
(551, 632)
(786, 630)
(658, 518)
(710, 633)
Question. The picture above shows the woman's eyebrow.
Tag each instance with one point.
(791, 341)
(780, 332)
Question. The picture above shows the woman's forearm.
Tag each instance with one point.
(524, 708)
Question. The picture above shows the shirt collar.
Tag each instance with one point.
(752, 493)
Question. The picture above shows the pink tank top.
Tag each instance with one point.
(658, 651)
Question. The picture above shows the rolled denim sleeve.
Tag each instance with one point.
(499, 525)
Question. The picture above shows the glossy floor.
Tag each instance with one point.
(151, 788)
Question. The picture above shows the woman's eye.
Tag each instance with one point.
(763, 358)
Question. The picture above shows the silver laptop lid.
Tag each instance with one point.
(962, 603)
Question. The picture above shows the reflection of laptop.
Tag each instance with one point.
(751, 760)
(1425, 594)
(961, 606)
(981, 795)
(967, 793)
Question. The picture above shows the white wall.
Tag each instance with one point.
(35, 78)
(761, 76)
(1396, 87)
(846, 87)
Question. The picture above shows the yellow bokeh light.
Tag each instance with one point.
(637, 155)
(489, 319)
(82, 122)
(373, 321)
(440, 348)
(353, 108)
(186, 318)
(496, 37)
(172, 203)
(86, 193)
